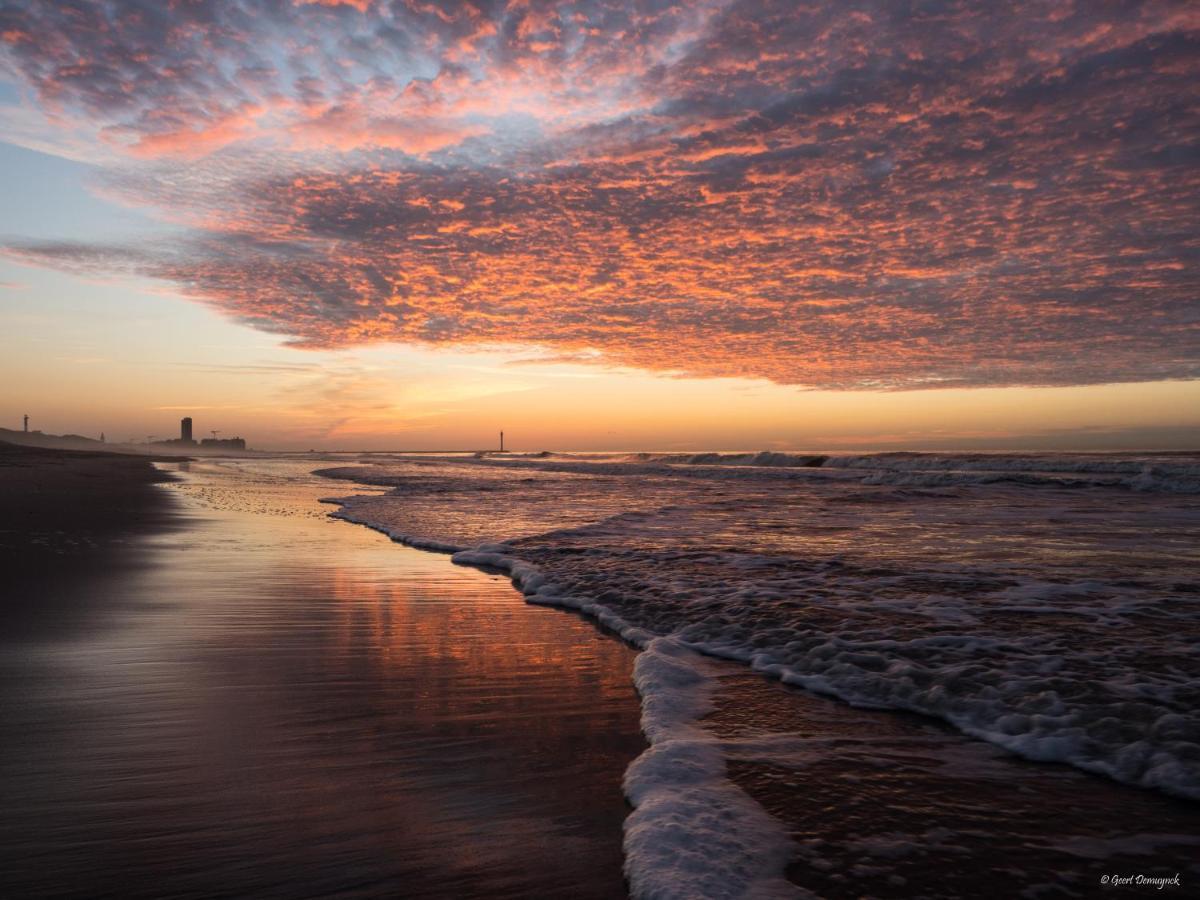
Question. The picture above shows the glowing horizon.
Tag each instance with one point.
(742, 224)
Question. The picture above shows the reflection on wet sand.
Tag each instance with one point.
(286, 705)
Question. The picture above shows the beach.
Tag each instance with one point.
(236, 692)
(250, 698)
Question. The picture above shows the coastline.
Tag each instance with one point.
(838, 800)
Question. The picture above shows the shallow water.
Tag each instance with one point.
(271, 702)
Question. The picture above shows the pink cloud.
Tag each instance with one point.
(861, 196)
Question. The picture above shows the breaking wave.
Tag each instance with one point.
(1166, 473)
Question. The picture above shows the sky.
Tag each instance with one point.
(598, 225)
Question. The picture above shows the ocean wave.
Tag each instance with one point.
(1182, 465)
(763, 458)
(945, 640)
(1149, 474)
(1179, 474)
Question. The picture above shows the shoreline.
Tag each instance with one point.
(874, 801)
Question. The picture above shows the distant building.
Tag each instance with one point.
(185, 439)
(234, 443)
(185, 435)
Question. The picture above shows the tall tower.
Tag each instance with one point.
(502, 442)
(185, 429)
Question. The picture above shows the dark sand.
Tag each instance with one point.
(75, 492)
(66, 516)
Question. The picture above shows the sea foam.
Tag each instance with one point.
(693, 833)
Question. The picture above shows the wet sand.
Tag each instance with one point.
(264, 701)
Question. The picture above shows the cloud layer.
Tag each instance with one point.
(841, 195)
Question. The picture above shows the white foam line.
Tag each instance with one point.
(1158, 770)
(693, 833)
(399, 537)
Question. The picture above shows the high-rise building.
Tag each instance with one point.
(185, 429)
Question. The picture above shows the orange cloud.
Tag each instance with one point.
(891, 196)
(361, 5)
